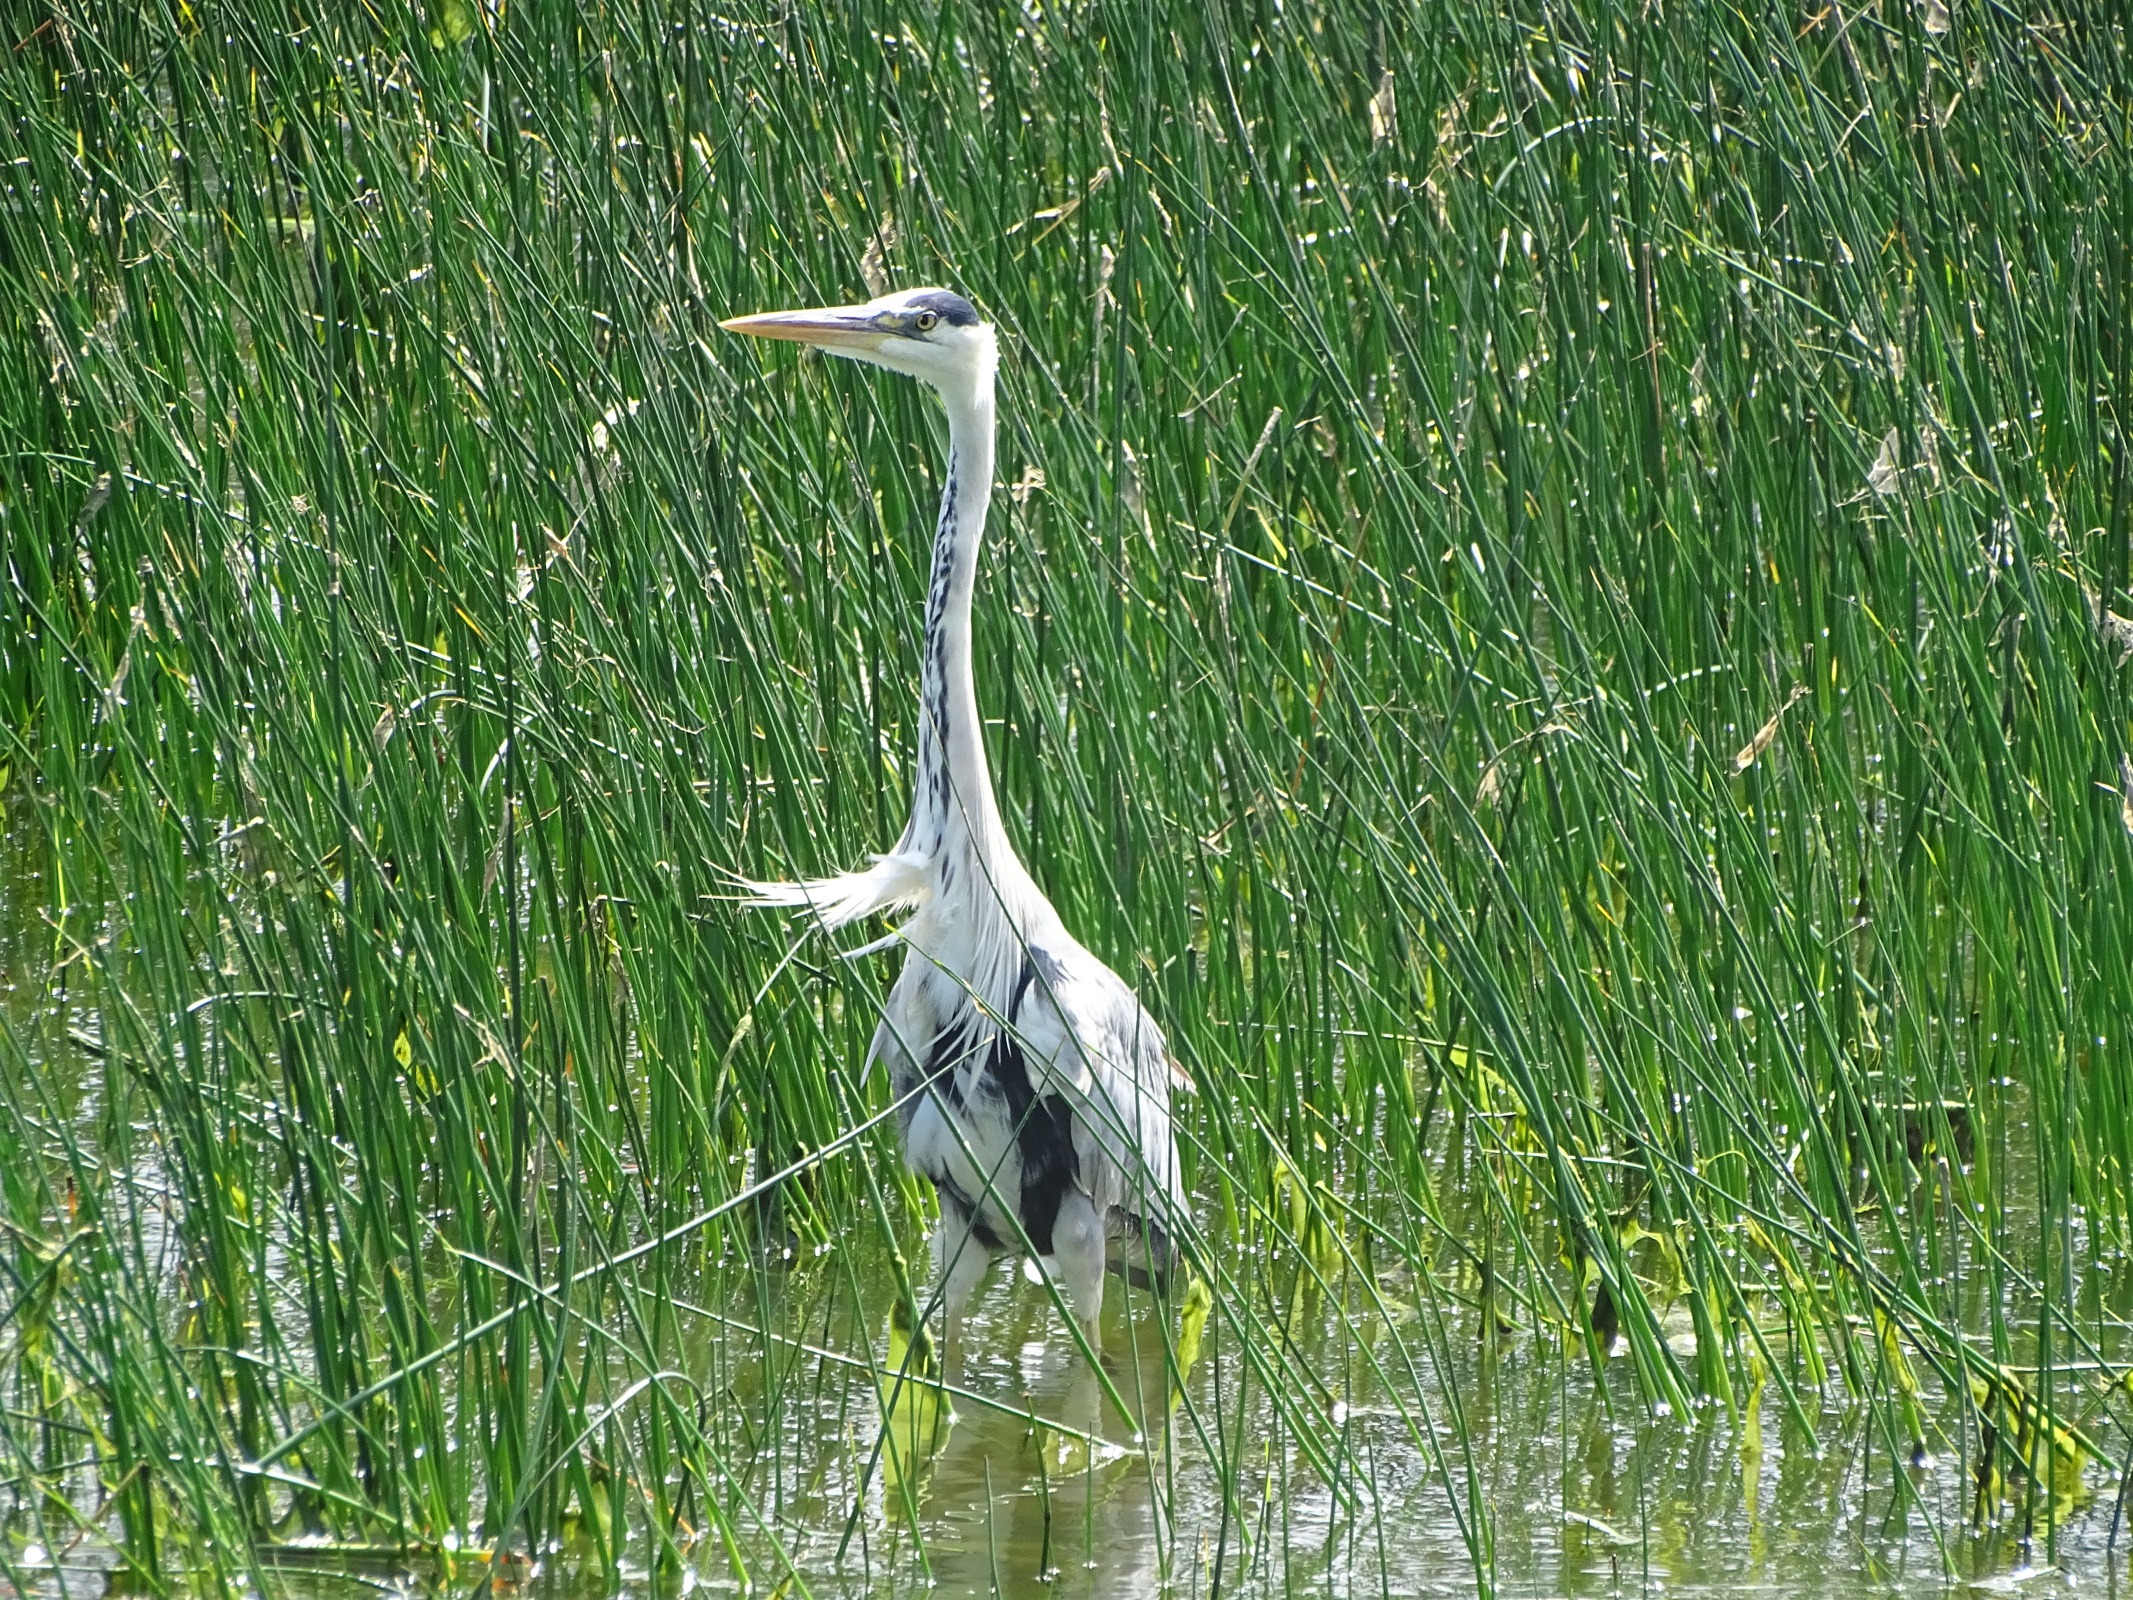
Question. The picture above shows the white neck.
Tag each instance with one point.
(953, 815)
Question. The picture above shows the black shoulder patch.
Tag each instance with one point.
(951, 308)
(1049, 966)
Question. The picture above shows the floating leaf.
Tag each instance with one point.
(455, 24)
(915, 1414)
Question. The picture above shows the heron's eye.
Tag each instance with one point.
(926, 321)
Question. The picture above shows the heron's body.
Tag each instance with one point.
(1036, 1090)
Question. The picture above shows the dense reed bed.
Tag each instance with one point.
(1558, 600)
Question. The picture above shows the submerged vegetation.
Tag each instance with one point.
(1558, 602)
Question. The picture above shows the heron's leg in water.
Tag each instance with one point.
(960, 1259)
(1082, 1409)
(1078, 1263)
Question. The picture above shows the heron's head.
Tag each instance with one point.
(932, 334)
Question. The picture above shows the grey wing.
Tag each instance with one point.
(1087, 1038)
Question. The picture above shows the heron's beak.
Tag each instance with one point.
(839, 328)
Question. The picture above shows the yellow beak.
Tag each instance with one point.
(830, 327)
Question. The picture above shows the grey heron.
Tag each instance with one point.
(1035, 1088)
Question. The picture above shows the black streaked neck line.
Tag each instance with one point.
(953, 793)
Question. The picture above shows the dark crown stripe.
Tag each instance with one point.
(951, 308)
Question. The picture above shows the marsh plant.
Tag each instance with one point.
(1557, 603)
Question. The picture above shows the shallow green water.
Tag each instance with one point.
(1585, 1500)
